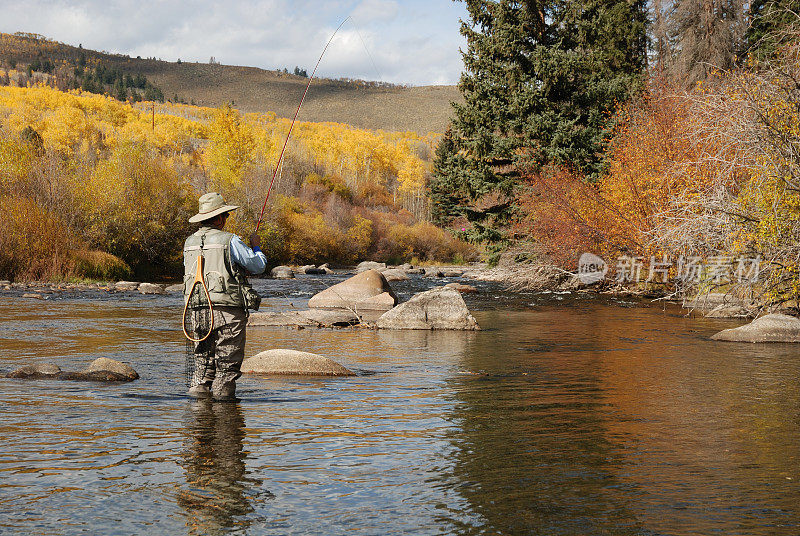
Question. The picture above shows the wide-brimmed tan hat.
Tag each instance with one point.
(211, 204)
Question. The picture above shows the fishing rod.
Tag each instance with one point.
(286, 141)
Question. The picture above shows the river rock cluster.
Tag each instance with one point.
(102, 369)
(368, 299)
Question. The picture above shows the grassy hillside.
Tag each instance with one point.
(421, 109)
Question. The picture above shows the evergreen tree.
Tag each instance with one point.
(770, 22)
(541, 80)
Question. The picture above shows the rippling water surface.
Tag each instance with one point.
(567, 414)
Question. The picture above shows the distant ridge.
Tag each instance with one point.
(420, 109)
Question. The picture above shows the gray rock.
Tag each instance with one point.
(439, 308)
(433, 272)
(282, 272)
(126, 285)
(105, 364)
(175, 288)
(42, 370)
(331, 317)
(101, 370)
(303, 269)
(395, 274)
(5, 282)
(292, 362)
(151, 288)
(728, 311)
(382, 302)
(281, 319)
(326, 269)
(463, 289)
(367, 290)
(405, 267)
(768, 328)
(93, 376)
(452, 272)
(370, 265)
(33, 295)
(415, 271)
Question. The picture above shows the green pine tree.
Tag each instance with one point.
(770, 24)
(541, 80)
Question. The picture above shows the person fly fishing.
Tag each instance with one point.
(218, 297)
(216, 289)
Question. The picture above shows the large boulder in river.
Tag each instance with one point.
(768, 328)
(126, 285)
(281, 362)
(439, 308)
(112, 365)
(365, 291)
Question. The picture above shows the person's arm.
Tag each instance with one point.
(253, 260)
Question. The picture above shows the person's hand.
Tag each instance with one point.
(255, 241)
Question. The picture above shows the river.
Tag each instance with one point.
(568, 414)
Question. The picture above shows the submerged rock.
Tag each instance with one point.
(439, 308)
(768, 328)
(281, 362)
(368, 290)
(93, 376)
(39, 370)
(151, 288)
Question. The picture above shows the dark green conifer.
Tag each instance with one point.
(541, 80)
(771, 21)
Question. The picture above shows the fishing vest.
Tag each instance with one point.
(222, 277)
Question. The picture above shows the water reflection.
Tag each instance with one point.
(219, 493)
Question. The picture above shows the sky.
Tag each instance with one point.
(413, 42)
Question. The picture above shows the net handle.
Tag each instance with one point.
(198, 280)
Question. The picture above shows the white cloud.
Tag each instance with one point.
(414, 41)
(375, 10)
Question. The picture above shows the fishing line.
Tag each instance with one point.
(294, 119)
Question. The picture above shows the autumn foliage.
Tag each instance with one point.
(96, 187)
(709, 174)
